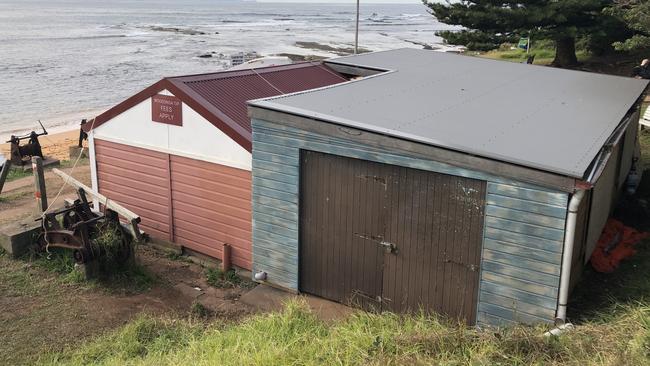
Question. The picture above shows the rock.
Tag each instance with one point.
(18, 237)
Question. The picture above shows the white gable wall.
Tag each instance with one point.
(196, 139)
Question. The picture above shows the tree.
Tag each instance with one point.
(493, 21)
(636, 14)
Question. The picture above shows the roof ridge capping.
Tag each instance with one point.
(252, 71)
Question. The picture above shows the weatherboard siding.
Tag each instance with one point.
(522, 254)
(523, 231)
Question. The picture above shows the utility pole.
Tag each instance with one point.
(356, 33)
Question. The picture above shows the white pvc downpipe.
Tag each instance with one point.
(567, 258)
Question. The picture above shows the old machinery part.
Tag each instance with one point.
(80, 229)
(21, 154)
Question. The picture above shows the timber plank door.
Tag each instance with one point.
(436, 225)
(342, 214)
(385, 237)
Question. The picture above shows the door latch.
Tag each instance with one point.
(388, 247)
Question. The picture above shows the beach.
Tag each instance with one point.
(54, 145)
(67, 60)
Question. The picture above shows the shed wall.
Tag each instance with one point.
(613, 177)
(138, 179)
(196, 204)
(524, 227)
(211, 206)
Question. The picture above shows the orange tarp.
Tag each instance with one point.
(615, 244)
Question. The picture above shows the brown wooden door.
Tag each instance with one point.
(342, 216)
(390, 238)
(436, 224)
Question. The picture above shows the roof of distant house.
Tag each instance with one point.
(545, 118)
(221, 97)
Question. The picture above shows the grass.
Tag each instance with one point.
(129, 280)
(544, 54)
(296, 336)
(15, 196)
(17, 173)
(219, 279)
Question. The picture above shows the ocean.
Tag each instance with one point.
(61, 61)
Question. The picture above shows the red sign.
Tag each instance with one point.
(167, 109)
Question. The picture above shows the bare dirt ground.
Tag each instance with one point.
(17, 201)
(42, 313)
(41, 310)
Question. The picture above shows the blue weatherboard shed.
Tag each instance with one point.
(457, 185)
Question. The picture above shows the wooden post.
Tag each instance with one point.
(39, 184)
(4, 172)
(226, 260)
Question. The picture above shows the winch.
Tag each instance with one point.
(21, 154)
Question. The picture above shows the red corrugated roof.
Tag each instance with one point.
(221, 97)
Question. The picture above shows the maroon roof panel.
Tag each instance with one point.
(221, 97)
(229, 91)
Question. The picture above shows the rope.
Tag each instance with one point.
(268, 82)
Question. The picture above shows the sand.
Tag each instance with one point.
(54, 145)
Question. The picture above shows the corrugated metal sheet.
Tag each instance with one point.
(540, 117)
(228, 91)
(221, 97)
(211, 206)
(524, 225)
(139, 180)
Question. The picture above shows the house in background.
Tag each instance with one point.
(469, 187)
(178, 154)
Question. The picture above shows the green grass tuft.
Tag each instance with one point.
(122, 279)
(17, 173)
(200, 310)
(219, 279)
(146, 336)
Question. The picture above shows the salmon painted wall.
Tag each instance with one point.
(193, 203)
(191, 184)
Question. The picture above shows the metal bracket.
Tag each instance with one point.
(471, 267)
(388, 247)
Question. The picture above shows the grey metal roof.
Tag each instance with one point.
(540, 117)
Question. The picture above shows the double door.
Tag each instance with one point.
(389, 238)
